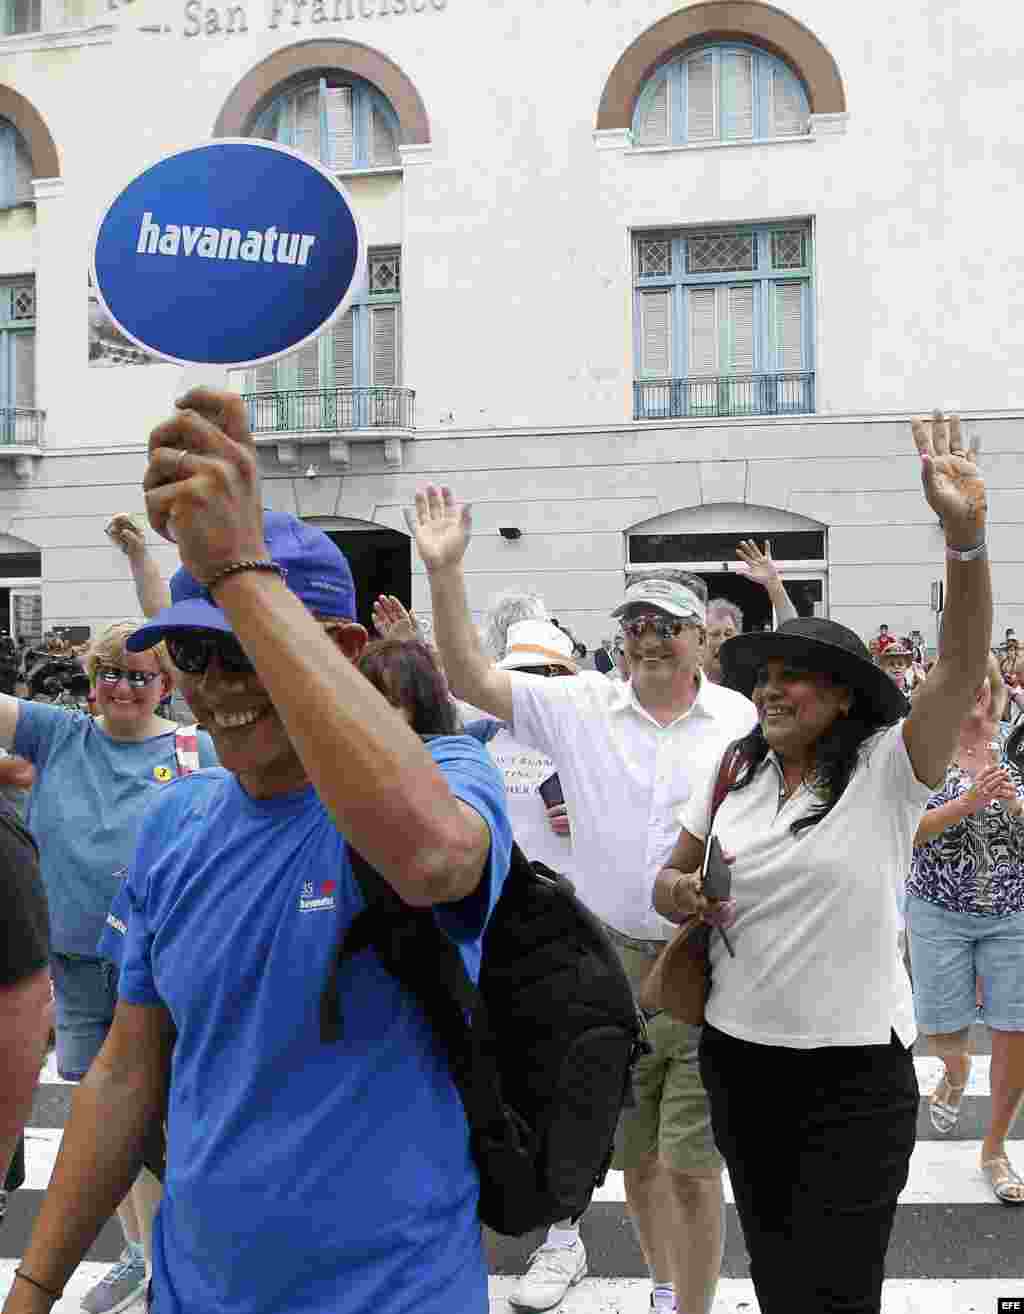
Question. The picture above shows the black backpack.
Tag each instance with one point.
(541, 1054)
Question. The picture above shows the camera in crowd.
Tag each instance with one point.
(53, 678)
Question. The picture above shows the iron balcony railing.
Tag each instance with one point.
(735, 394)
(331, 410)
(21, 427)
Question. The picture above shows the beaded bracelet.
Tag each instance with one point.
(236, 567)
(971, 554)
(48, 1291)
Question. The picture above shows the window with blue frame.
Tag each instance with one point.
(345, 123)
(720, 93)
(17, 358)
(346, 377)
(18, 17)
(723, 321)
(15, 168)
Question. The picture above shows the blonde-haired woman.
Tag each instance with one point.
(965, 916)
(94, 779)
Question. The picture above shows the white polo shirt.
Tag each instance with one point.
(625, 779)
(817, 961)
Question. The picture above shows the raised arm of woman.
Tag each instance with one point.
(955, 490)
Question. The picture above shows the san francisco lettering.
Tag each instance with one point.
(297, 12)
(269, 246)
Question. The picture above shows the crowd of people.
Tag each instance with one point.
(866, 798)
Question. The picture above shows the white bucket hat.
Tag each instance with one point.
(536, 643)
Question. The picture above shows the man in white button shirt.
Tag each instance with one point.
(628, 756)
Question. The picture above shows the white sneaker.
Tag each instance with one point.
(552, 1271)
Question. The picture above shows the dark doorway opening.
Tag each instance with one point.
(751, 598)
(381, 562)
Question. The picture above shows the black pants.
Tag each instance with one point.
(818, 1145)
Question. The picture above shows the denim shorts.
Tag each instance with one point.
(86, 995)
(948, 950)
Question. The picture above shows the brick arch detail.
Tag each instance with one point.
(34, 132)
(717, 21)
(256, 87)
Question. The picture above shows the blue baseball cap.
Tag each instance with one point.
(318, 574)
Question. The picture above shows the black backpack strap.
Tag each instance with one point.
(415, 951)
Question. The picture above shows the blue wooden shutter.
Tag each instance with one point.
(653, 114)
(337, 126)
(656, 334)
(8, 178)
(307, 122)
(24, 368)
(383, 140)
(702, 317)
(787, 105)
(385, 325)
(701, 116)
(788, 326)
(737, 95)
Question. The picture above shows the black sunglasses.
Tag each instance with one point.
(191, 651)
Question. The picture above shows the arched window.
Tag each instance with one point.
(720, 93)
(345, 123)
(15, 167)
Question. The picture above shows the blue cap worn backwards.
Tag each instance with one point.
(318, 574)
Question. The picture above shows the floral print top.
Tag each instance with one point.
(977, 865)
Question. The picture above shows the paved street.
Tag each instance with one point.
(954, 1249)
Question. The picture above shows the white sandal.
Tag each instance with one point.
(943, 1112)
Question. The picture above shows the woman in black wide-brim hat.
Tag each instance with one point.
(805, 1052)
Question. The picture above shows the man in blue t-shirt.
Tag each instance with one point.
(302, 1177)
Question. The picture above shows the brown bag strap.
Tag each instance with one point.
(729, 771)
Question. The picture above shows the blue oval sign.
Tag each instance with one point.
(233, 252)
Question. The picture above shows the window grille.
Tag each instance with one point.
(789, 248)
(654, 256)
(385, 272)
(718, 252)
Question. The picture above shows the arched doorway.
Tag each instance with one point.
(703, 540)
(380, 560)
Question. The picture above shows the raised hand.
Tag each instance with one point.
(442, 527)
(203, 483)
(953, 485)
(392, 621)
(122, 531)
(755, 564)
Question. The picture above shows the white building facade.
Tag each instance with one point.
(644, 279)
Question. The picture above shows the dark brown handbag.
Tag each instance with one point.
(679, 981)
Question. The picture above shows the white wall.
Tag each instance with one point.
(517, 293)
(517, 269)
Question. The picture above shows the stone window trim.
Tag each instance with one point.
(34, 132)
(306, 58)
(714, 22)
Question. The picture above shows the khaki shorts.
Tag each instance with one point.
(671, 1118)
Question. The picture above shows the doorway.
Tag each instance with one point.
(381, 562)
(751, 598)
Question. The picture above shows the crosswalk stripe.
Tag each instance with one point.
(979, 1083)
(82, 1280)
(632, 1295)
(928, 1068)
(941, 1172)
(736, 1296)
(49, 1075)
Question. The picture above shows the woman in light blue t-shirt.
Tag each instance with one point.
(95, 778)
